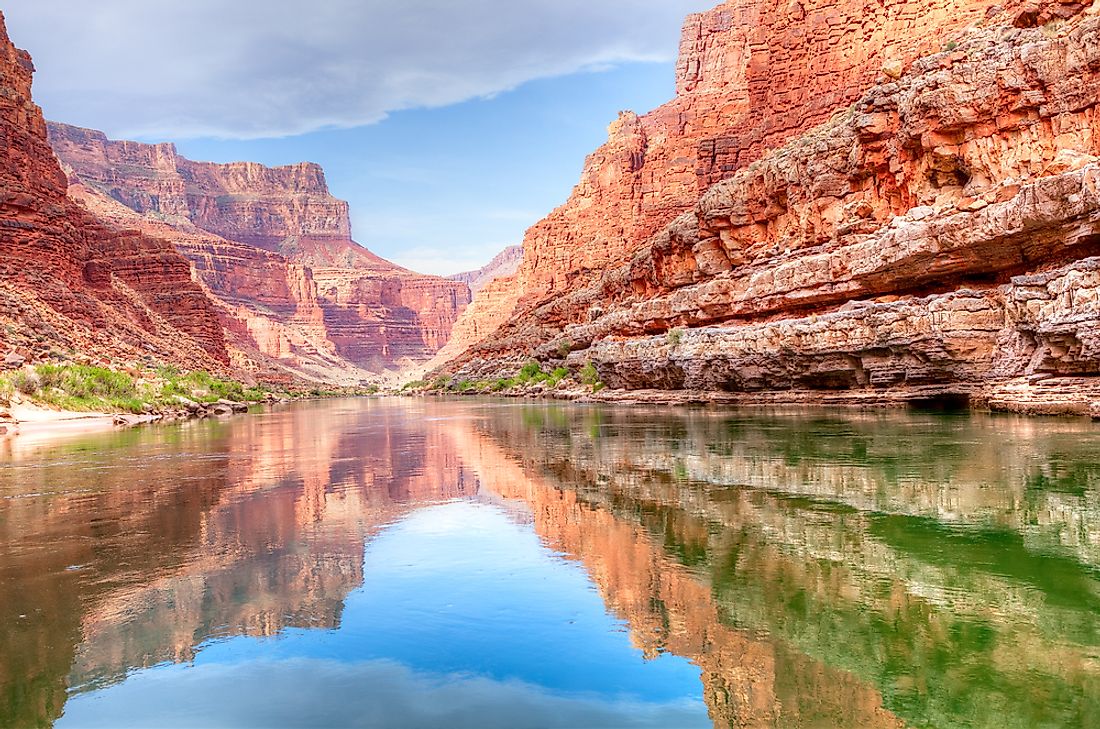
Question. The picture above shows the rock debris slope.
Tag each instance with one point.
(838, 212)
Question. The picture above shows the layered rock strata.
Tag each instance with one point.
(751, 75)
(274, 248)
(69, 283)
(938, 237)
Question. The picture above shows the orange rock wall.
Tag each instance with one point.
(937, 237)
(751, 75)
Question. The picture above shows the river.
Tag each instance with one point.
(480, 563)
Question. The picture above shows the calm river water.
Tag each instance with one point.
(432, 563)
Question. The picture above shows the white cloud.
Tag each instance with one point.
(263, 68)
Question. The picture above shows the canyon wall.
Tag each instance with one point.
(935, 238)
(751, 74)
(69, 283)
(273, 247)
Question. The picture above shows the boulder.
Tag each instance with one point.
(189, 405)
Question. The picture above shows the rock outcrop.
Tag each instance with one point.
(937, 238)
(274, 249)
(69, 283)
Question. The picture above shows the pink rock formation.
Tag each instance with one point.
(504, 263)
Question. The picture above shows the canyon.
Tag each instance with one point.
(273, 249)
(865, 203)
(71, 284)
(127, 254)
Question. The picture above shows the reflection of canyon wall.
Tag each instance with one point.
(69, 283)
(819, 209)
(276, 509)
(747, 681)
(893, 548)
(274, 249)
(865, 570)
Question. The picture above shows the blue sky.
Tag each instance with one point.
(449, 126)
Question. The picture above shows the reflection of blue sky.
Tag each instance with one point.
(464, 619)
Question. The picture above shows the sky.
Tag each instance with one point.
(450, 127)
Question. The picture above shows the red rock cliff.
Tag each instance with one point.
(68, 282)
(751, 74)
(935, 238)
(275, 247)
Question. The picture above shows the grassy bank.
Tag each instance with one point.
(531, 378)
(90, 388)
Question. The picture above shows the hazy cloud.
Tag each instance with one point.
(261, 68)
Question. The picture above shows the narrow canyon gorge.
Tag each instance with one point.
(858, 203)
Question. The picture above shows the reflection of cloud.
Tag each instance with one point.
(258, 68)
(303, 693)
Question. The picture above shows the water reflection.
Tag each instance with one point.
(432, 563)
(948, 564)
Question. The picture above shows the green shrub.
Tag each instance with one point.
(529, 371)
(589, 375)
(557, 376)
(50, 375)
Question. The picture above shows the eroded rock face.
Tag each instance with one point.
(937, 237)
(274, 248)
(69, 283)
(751, 75)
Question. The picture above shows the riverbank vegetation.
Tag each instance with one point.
(92, 388)
(529, 379)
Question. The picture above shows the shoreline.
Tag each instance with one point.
(1069, 397)
(33, 423)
